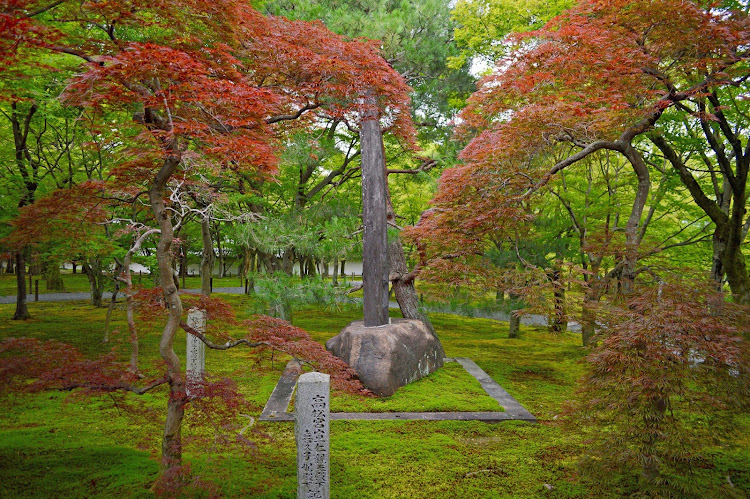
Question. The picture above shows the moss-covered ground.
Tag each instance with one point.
(62, 445)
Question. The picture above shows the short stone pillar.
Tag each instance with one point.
(311, 430)
(195, 367)
(514, 327)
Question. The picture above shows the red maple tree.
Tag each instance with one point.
(216, 96)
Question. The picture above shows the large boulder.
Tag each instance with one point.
(390, 356)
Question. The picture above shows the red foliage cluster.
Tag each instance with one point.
(61, 218)
(282, 336)
(267, 332)
(19, 33)
(596, 71)
(51, 365)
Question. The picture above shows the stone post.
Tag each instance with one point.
(374, 216)
(513, 328)
(311, 430)
(195, 367)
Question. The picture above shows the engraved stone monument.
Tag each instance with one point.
(311, 430)
(195, 366)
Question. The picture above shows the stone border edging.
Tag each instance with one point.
(281, 397)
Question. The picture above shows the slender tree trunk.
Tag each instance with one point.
(220, 252)
(22, 309)
(96, 285)
(207, 262)
(335, 281)
(126, 277)
(632, 241)
(113, 301)
(172, 439)
(403, 285)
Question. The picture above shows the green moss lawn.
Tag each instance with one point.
(62, 445)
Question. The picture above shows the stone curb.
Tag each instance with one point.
(281, 397)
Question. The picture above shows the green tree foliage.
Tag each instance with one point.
(484, 24)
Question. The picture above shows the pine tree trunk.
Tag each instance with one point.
(559, 320)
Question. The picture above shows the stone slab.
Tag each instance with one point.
(494, 390)
(281, 397)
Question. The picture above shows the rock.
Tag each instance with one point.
(390, 356)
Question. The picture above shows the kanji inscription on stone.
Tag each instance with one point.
(311, 429)
(195, 367)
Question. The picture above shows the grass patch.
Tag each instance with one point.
(450, 389)
(62, 445)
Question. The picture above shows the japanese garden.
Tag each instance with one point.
(374, 248)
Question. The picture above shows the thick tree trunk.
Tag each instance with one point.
(22, 309)
(207, 261)
(172, 438)
(287, 262)
(717, 268)
(374, 217)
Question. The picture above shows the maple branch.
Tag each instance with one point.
(42, 10)
(77, 53)
(216, 346)
(286, 117)
(427, 165)
(591, 148)
(706, 204)
(119, 386)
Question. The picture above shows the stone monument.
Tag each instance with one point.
(386, 355)
(195, 366)
(312, 433)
